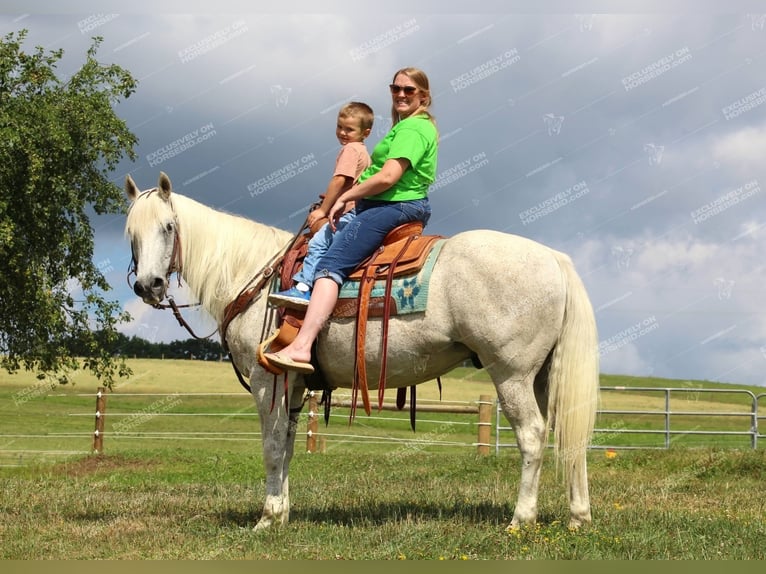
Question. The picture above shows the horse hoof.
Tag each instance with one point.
(517, 524)
(262, 525)
(577, 523)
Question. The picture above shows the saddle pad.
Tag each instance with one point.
(409, 293)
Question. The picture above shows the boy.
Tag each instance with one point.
(354, 125)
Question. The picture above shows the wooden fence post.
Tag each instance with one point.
(311, 433)
(98, 434)
(485, 422)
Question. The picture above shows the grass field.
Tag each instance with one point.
(155, 494)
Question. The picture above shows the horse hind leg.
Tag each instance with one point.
(519, 404)
(579, 498)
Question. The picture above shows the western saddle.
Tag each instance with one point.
(403, 252)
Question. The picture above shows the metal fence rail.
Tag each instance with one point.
(602, 435)
(642, 418)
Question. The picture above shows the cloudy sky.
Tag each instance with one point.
(632, 141)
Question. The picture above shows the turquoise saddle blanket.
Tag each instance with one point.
(409, 293)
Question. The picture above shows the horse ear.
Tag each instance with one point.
(164, 186)
(131, 188)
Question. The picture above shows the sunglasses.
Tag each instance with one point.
(408, 90)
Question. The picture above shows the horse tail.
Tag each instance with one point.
(573, 378)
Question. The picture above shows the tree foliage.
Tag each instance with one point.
(59, 139)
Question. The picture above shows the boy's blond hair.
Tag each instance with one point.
(358, 110)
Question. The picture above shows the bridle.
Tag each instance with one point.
(175, 257)
(176, 267)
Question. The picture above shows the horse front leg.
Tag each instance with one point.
(278, 430)
(295, 407)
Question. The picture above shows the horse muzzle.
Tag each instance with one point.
(152, 291)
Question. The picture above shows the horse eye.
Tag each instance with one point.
(169, 227)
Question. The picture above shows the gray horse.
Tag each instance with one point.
(518, 305)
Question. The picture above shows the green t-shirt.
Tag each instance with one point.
(416, 139)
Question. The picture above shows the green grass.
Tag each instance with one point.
(179, 504)
(156, 495)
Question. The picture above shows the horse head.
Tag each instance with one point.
(152, 228)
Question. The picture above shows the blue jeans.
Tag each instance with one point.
(318, 246)
(365, 232)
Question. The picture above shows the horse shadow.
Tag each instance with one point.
(377, 514)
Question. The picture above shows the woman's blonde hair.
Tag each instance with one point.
(420, 79)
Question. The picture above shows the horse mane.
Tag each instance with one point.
(221, 252)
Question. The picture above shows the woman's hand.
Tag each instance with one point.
(336, 211)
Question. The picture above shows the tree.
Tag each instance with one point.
(59, 139)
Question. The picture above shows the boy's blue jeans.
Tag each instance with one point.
(318, 246)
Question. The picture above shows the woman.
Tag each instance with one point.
(391, 192)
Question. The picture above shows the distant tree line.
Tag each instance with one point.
(136, 347)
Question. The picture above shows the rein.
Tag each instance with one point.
(249, 294)
(177, 314)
